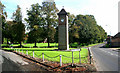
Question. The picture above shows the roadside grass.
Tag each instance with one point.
(50, 53)
(92, 44)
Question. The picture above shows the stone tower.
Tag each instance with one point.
(63, 40)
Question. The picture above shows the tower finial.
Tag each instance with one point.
(63, 7)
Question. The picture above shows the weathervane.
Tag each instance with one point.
(63, 7)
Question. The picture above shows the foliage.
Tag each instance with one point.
(42, 23)
(84, 29)
(42, 17)
(35, 22)
(35, 35)
(50, 16)
(18, 27)
(3, 16)
(9, 31)
(34, 19)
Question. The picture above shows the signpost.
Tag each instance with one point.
(73, 57)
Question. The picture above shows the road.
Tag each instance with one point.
(106, 59)
(11, 62)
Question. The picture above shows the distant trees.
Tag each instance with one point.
(18, 27)
(12, 30)
(42, 22)
(35, 23)
(43, 17)
(50, 16)
(9, 31)
(84, 29)
(3, 16)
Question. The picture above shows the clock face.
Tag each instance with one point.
(62, 20)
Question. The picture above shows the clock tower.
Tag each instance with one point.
(63, 40)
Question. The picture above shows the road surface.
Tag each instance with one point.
(106, 59)
(11, 62)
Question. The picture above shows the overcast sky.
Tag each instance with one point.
(104, 11)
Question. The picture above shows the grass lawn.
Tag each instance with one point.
(50, 53)
(8, 45)
(40, 45)
(92, 45)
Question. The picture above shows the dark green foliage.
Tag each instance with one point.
(84, 29)
(36, 35)
(9, 31)
(35, 22)
(45, 17)
(50, 16)
(18, 27)
(43, 23)
(3, 16)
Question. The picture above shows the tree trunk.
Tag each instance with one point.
(35, 44)
(20, 44)
(48, 38)
(2, 40)
(7, 42)
(48, 42)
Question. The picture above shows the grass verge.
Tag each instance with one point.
(50, 53)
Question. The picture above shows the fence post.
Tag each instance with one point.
(89, 54)
(11, 47)
(33, 54)
(72, 58)
(43, 56)
(22, 51)
(16, 50)
(60, 60)
(27, 52)
(19, 50)
(79, 57)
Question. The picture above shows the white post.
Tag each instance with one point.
(11, 47)
(16, 50)
(60, 60)
(33, 54)
(43, 56)
(19, 50)
(72, 58)
(27, 52)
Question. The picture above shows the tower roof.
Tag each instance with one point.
(62, 12)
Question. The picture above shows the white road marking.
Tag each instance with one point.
(106, 51)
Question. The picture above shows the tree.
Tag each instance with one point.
(50, 16)
(3, 16)
(35, 36)
(88, 31)
(35, 21)
(18, 27)
(73, 29)
(9, 31)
